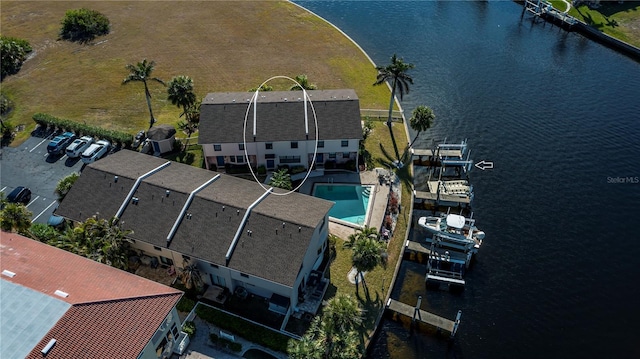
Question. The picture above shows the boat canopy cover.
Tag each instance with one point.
(455, 221)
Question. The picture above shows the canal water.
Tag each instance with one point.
(559, 116)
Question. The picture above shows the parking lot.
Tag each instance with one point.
(30, 165)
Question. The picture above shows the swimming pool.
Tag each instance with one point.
(351, 201)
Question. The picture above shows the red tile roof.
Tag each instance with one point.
(46, 269)
(114, 313)
(113, 329)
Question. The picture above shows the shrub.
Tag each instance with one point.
(185, 304)
(249, 331)
(189, 328)
(388, 222)
(393, 203)
(48, 121)
(13, 52)
(236, 347)
(262, 170)
(83, 25)
(298, 169)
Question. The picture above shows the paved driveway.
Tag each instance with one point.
(30, 165)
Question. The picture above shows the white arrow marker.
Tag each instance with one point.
(484, 165)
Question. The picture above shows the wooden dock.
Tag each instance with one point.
(430, 196)
(417, 247)
(425, 317)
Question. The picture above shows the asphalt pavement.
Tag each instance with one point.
(30, 165)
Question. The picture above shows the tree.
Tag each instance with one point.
(396, 72)
(141, 72)
(13, 53)
(367, 254)
(64, 185)
(83, 25)
(304, 84)
(421, 120)
(15, 217)
(263, 87)
(281, 179)
(366, 232)
(180, 93)
(191, 278)
(98, 239)
(334, 335)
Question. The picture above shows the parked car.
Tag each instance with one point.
(78, 146)
(19, 195)
(60, 143)
(96, 151)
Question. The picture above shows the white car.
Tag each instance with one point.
(77, 147)
(96, 151)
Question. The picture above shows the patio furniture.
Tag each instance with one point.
(241, 293)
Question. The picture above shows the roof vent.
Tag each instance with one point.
(48, 347)
(115, 178)
(60, 293)
(285, 99)
(299, 229)
(237, 212)
(134, 200)
(222, 208)
(283, 224)
(8, 273)
(167, 192)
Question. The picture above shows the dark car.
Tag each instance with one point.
(60, 143)
(19, 195)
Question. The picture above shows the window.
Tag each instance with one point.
(214, 265)
(174, 330)
(268, 146)
(332, 156)
(294, 144)
(217, 147)
(320, 144)
(289, 159)
(319, 250)
(166, 261)
(241, 146)
(345, 154)
(345, 143)
(269, 156)
(240, 159)
(157, 248)
(244, 275)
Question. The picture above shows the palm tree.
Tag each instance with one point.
(396, 72)
(304, 84)
(180, 93)
(191, 122)
(191, 278)
(334, 335)
(64, 185)
(366, 232)
(421, 120)
(263, 87)
(367, 254)
(141, 72)
(15, 217)
(281, 179)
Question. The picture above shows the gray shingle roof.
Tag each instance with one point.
(215, 213)
(222, 116)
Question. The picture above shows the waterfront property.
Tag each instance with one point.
(281, 129)
(56, 304)
(239, 236)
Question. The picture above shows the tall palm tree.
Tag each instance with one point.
(367, 254)
(396, 72)
(421, 120)
(366, 232)
(281, 179)
(304, 84)
(191, 277)
(180, 93)
(141, 72)
(15, 217)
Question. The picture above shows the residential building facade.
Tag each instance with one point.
(56, 304)
(281, 128)
(238, 233)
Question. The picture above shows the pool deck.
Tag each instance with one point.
(379, 196)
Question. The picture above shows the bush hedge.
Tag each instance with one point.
(185, 304)
(83, 25)
(81, 129)
(247, 330)
(189, 328)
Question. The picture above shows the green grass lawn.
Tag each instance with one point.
(619, 20)
(378, 281)
(223, 45)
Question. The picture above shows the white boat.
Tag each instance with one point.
(453, 231)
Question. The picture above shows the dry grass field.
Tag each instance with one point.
(222, 45)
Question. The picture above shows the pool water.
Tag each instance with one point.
(351, 201)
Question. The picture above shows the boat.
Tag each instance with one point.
(454, 231)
